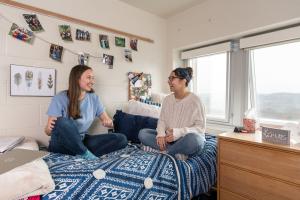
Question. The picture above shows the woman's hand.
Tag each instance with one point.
(108, 123)
(161, 142)
(50, 125)
(169, 135)
(106, 120)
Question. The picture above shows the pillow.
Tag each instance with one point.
(158, 97)
(139, 108)
(130, 125)
(150, 102)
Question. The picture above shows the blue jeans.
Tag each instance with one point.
(190, 144)
(66, 139)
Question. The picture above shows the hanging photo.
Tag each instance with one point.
(108, 60)
(65, 32)
(104, 43)
(133, 44)
(119, 42)
(32, 81)
(83, 35)
(33, 22)
(127, 54)
(56, 52)
(83, 58)
(21, 33)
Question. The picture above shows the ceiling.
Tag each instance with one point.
(163, 8)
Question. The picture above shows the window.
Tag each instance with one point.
(276, 81)
(211, 84)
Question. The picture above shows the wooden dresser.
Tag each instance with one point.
(251, 169)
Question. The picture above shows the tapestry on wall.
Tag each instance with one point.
(139, 86)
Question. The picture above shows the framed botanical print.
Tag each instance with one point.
(32, 81)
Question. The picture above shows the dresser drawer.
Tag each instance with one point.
(272, 162)
(226, 195)
(255, 186)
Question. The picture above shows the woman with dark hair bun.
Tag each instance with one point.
(181, 125)
(72, 112)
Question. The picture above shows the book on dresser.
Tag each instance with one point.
(249, 168)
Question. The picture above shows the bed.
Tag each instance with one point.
(131, 173)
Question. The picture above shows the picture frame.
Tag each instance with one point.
(139, 85)
(32, 81)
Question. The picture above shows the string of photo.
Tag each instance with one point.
(56, 51)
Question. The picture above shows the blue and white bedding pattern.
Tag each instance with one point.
(126, 171)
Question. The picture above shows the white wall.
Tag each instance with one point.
(26, 115)
(219, 20)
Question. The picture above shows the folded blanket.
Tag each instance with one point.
(27, 180)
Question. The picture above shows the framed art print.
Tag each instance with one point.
(32, 81)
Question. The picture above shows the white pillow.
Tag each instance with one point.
(139, 108)
(158, 97)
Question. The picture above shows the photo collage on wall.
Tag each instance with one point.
(139, 85)
(56, 50)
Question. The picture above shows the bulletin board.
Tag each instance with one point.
(139, 86)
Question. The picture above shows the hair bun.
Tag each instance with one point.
(190, 71)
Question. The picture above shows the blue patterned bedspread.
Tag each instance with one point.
(126, 171)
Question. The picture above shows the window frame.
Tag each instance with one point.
(251, 93)
(193, 87)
